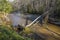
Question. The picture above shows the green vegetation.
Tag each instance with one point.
(9, 34)
(5, 9)
(27, 30)
(5, 6)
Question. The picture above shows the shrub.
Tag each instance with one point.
(9, 34)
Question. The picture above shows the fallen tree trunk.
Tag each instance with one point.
(44, 14)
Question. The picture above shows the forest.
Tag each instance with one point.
(29, 19)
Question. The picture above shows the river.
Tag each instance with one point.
(21, 19)
(25, 19)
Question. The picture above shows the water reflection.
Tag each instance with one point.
(22, 19)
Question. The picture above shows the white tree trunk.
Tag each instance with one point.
(46, 13)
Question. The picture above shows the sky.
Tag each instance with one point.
(10, 0)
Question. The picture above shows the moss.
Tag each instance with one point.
(27, 30)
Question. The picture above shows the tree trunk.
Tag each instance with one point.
(46, 13)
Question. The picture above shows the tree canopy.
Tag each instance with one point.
(5, 6)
